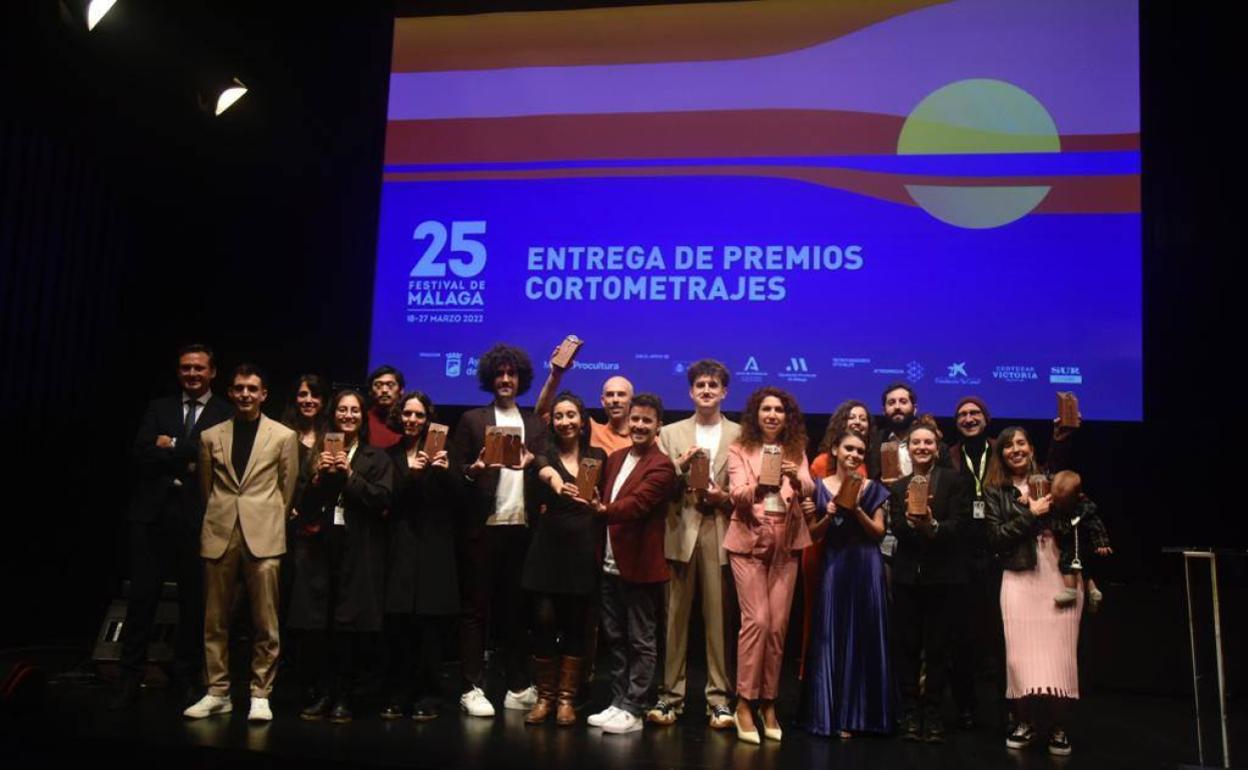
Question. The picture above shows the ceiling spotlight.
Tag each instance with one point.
(231, 94)
(96, 10)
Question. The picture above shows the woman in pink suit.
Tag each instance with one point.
(765, 537)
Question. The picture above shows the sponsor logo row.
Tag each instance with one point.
(798, 369)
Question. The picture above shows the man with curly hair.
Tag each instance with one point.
(497, 533)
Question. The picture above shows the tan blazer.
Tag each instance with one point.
(260, 500)
(683, 517)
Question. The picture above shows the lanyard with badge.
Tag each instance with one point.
(977, 508)
(340, 513)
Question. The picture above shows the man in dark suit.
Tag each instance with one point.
(496, 530)
(900, 405)
(165, 515)
(639, 483)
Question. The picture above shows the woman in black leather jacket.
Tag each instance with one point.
(1040, 638)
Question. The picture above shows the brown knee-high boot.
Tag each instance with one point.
(544, 671)
(569, 681)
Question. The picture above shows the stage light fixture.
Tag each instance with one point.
(231, 94)
(96, 10)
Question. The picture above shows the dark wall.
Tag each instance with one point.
(130, 222)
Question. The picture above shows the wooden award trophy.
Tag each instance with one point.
(1038, 486)
(890, 461)
(334, 443)
(566, 351)
(587, 478)
(847, 496)
(916, 496)
(493, 454)
(512, 446)
(700, 471)
(1067, 410)
(435, 439)
(769, 473)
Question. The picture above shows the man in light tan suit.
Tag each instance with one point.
(696, 523)
(248, 467)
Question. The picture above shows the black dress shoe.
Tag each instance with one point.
(425, 713)
(317, 709)
(966, 719)
(341, 713)
(127, 695)
(910, 727)
(392, 711)
(933, 731)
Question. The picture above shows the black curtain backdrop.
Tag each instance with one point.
(131, 222)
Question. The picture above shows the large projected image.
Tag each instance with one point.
(825, 196)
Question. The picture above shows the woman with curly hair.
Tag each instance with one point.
(766, 533)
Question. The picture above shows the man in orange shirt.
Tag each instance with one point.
(617, 396)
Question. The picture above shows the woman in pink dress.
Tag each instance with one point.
(1041, 638)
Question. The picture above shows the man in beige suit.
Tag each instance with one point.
(248, 467)
(696, 522)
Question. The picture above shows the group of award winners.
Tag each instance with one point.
(359, 519)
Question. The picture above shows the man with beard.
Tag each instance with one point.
(165, 514)
(496, 532)
(900, 407)
(617, 394)
(979, 638)
(384, 386)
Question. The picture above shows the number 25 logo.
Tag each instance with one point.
(429, 266)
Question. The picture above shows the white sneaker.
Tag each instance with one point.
(521, 700)
(623, 722)
(207, 706)
(475, 704)
(259, 710)
(602, 717)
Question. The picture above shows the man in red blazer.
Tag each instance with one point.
(638, 482)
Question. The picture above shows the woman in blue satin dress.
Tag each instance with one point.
(849, 685)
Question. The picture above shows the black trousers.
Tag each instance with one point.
(979, 636)
(165, 548)
(923, 621)
(415, 657)
(492, 592)
(630, 620)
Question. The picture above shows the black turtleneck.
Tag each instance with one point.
(244, 439)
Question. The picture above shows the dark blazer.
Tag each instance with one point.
(939, 557)
(466, 443)
(362, 578)
(421, 573)
(637, 517)
(156, 469)
(879, 435)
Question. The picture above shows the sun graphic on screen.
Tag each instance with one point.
(978, 116)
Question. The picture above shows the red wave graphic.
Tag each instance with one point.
(703, 134)
(1117, 194)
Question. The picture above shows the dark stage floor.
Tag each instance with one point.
(1111, 731)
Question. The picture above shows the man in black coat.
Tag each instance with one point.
(165, 515)
(499, 502)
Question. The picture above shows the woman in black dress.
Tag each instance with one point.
(420, 572)
(562, 566)
(305, 415)
(339, 584)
